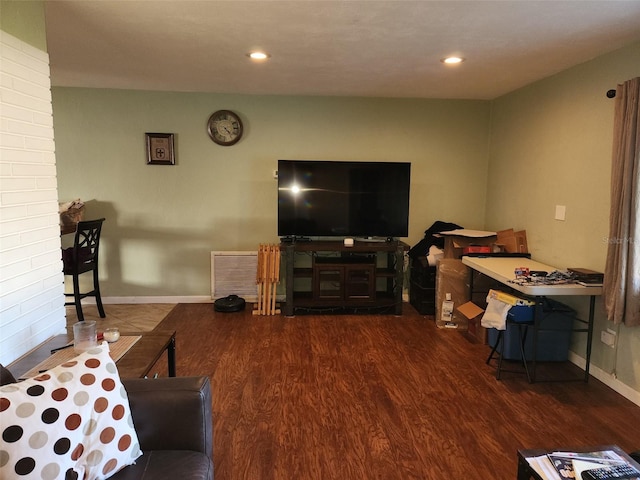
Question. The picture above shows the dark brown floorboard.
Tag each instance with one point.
(353, 397)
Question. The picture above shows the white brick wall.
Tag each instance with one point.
(31, 280)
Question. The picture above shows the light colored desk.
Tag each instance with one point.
(502, 269)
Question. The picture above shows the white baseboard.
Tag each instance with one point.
(608, 379)
(178, 299)
(136, 300)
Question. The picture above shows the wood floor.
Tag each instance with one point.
(355, 397)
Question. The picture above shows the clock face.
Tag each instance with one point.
(224, 127)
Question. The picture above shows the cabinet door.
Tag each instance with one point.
(359, 282)
(328, 282)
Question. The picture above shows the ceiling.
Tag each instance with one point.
(389, 48)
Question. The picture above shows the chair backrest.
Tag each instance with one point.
(87, 243)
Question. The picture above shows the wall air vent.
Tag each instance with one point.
(234, 273)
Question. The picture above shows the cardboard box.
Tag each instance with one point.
(470, 310)
(456, 240)
(473, 312)
(452, 277)
(513, 242)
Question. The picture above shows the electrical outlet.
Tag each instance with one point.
(608, 338)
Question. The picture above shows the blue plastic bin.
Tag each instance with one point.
(520, 313)
(553, 346)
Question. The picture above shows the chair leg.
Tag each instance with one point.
(500, 346)
(501, 342)
(495, 346)
(96, 289)
(77, 298)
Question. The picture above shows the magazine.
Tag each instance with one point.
(570, 465)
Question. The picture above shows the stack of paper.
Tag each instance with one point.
(570, 465)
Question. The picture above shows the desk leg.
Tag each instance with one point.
(171, 357)
(538, 315)
(592, 303)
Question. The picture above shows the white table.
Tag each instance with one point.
(503, 268)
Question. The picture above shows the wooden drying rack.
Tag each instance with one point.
(267, 279)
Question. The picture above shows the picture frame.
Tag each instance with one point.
(160, 149)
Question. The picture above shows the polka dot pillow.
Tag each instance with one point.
(71, 422)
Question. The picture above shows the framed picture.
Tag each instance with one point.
(160, 149)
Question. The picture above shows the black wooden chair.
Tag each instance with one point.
(83, 258)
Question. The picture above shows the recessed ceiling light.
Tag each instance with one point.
(258, 55)
(452, 60)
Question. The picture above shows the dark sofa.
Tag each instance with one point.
(174, 423)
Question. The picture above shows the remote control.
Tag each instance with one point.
(611, 473)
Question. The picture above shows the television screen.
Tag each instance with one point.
(343, 199)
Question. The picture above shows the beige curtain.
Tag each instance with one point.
(622, 270)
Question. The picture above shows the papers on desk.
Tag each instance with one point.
(568, 465)
(557, 277)
(543, 467)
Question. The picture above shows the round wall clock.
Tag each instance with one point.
(225, 127)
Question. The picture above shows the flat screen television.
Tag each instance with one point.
(343, 199)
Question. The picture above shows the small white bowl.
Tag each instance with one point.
(111, 335)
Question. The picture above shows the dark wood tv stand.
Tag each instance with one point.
(329, 275)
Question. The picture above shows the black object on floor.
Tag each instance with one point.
(231, 303)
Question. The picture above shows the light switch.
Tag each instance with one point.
(561, 211)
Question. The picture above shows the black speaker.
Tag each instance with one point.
(232, 303)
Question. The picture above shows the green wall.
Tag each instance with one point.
(162, 221)
(24, 20)
(551, 145)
